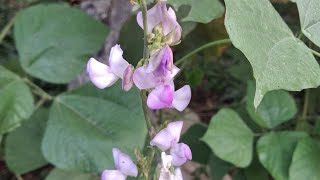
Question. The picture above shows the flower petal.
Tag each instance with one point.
(169, 23)
(144, 79)
(116, 62)
(178, 174)
(161, 60)
(127, 81)
(172, 13)
(166, 161)
(112, 175)
(153, 17)
(175, 71)
(100, 74)
(160, 97)
(124, 163)
(181, 98)
(168, 136)
(175, 128)
(180, 154)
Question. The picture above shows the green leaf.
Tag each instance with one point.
(200, 151)
(306, 160)
(310, 19)
(202, 12)
(55, 41)
(276, 107)
(218, 167)
(275, 152)
(16, 101)
(58, 174)
(230, 138)
(23, 146)
(85, 124)
(256, 171)
(278, 59)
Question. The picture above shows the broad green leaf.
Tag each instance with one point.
(310, 19)
(276, 107)
(85, 124)
(256, 171)
(218, 167)
(200, 151)
(230, 138)
(278, 59)
(306, 160)
(275, 152)
(16, 101)
(23, 146)
(58, 174)
(203, 12)
(55, 41)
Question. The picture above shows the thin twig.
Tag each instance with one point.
(40, 91)
(315, 52)
(6, 29)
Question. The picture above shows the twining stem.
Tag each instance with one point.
(40, 91)
(306, 104)
(6, 29)
(143, 6)
(315, 52)
(145, 109)
(184, 58)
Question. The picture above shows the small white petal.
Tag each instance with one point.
(172, 13)
(116, 62)
(181, 98)
(112, 175)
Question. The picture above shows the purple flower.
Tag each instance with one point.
(124, 167)
(104, 76)
(168, 138)
(164, 96)
(159, 71)
(160, 15)
(165, 172)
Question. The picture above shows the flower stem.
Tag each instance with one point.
(303, 118)
(145, 109)
(184, 58)
(6, 29)
(143, 6)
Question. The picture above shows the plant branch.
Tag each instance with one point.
(40, 91)
(315, 52)
(143, 6)
(184, 58)
(6, 29)
(145, 109)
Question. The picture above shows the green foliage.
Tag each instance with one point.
(200, 151)
(309, 19)
(230, 138)
(218, 167)
(55, 41)
(275, 152)
(16, 102)
(278, 59)
(203, 12)
(276, 107)
(85, 124)
(58, 174)
(306, 160)
(23, 146)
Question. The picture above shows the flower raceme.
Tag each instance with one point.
(124, 167)
(165, 19)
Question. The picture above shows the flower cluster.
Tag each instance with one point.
(166, 140)
(154, 74)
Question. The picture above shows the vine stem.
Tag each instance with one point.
(6, 29)
(39, 91)
(143, 6)
(315, 52)
(305, 109)
(184, 58)
(145, 109)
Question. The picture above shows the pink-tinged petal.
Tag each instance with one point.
(127, 81)
(168, 23)
(116, 62)
(100, 74)
(166, 161)
(112, 175)
(124, 163)
(175, 128)
(181, 98)
(172, 13)
(161, 60)
(168, 136)
(178, 174)
(153, 17)
(147, 80)
(180, 154)
(160, 97)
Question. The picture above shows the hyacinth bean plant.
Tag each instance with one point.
(160, 89)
